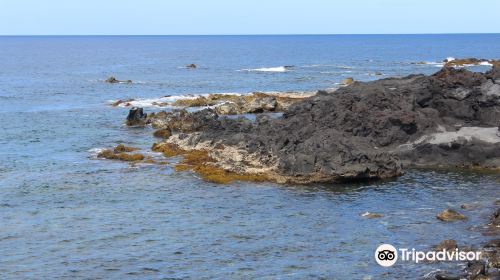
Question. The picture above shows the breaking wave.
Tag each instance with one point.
(159, 102)
(169, 100)
(270, 69)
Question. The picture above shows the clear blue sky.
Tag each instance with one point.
(119, 17)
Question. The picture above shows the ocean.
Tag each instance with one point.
(66, 214)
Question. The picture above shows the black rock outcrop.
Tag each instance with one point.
(361, 131)
(136, 116)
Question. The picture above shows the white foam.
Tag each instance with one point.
(434, 63)
(311, 66)
(449, 59)
(270, 69)
(151, 102)
(168, 101)
(162, 102)
(441, 64)
(326, 65)
(482, 63)
(95, 151)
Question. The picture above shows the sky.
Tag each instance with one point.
(214, 17)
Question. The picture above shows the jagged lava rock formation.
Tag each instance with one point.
(363, 131)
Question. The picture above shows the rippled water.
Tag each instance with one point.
(64, 214)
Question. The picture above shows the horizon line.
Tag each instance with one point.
(277, 34)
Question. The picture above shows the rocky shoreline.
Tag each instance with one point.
(363, 131)
(228, 104)
(488, 267)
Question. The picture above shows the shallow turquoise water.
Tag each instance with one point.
(65, 214)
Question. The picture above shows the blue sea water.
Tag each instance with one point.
(65, 214)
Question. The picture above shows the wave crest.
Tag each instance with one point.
(269, 69)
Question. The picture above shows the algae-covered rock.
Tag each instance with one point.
(464, 62)
(369, 215)
(347, 81)
(122, 156)
(124, 149)
(449, 215)
(164, 133)
(232, 104)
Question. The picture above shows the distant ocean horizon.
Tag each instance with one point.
(278, 34)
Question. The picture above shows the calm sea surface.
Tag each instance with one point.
(65, 214)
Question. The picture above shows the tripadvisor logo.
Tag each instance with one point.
(387, 255)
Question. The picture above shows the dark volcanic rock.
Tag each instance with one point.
(113, 80)
(446, 276)
(363, 131)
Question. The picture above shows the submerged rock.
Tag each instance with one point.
(467, 206)
(448, 245)
(369, 215)
(192, 66)
(113, 80)
(125, 102)
(449, 215)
